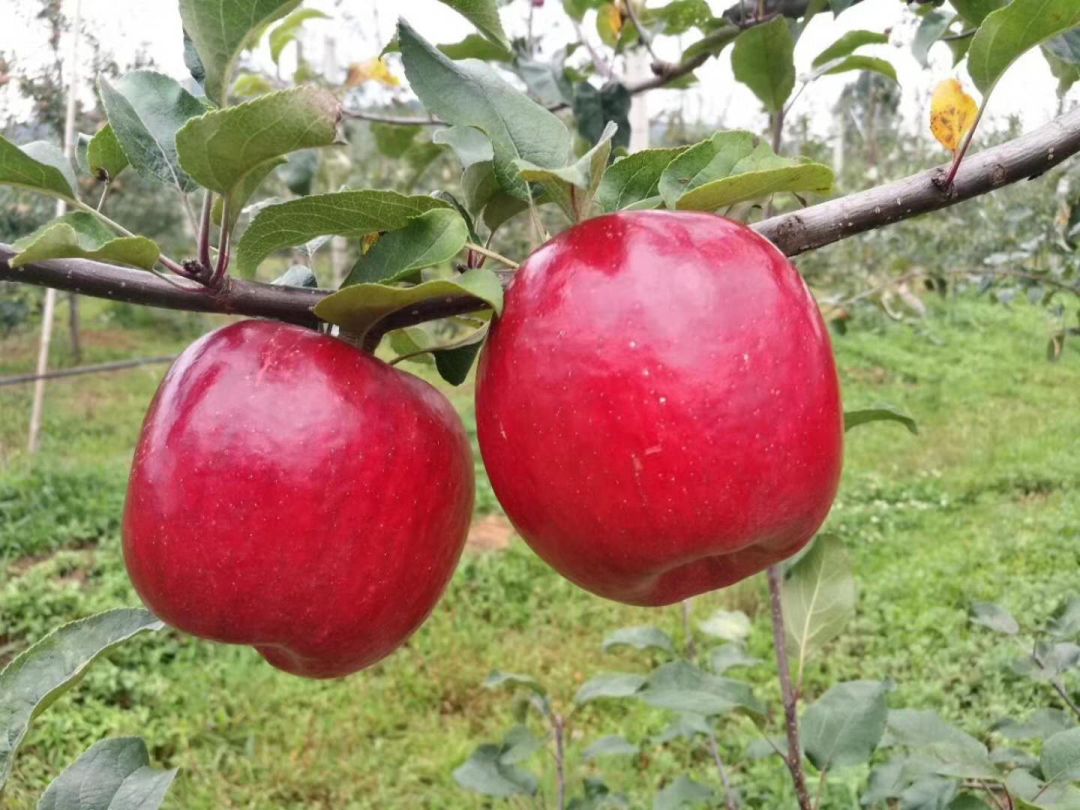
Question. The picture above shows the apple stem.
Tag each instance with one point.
(793, 759)
(558, 723)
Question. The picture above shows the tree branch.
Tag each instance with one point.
(794, 233)
(1025, 157)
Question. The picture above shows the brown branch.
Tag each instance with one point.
(794, 233)
(1024, 157)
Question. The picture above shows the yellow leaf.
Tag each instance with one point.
(952, 114)
(609, 23)
(374, 70)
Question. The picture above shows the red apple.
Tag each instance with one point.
(293, 493)
(658, 407)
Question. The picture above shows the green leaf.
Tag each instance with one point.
(843, 728)
(727, 625)
(1039, 725)
(763, 60)
(217, 149)
(711, 44)
(17, 168)
(82, 236)
(1034, 793)
(52, 155)
(734, 167)
(975, 11)
(1066, 623)
(344, 213)
(473, 94)
(220, 29)
(613, 746)
(573, 187)
(486, 773)
(931, 29)
(635, 178)
(880, 413)
(498, 679)
(595, 109)
(994, 617)
(428, 239)
(298, 171)
(1009, 32)
(547, 81)
(484, 196)
(680, 686)
(609, 686)
(683, 793)
(1060, 759)
(296, 276)
(240, 193)
(111, 775)
(393, 140)
(640, 638)
(951, 751)
(104, 157)
(687, 727)
(818, 596)
(361, 306)
(469, 144)
(288, 29)
(861, 63)
(146, 110)
(730, 656)
(679, 16)
(848, 44)
(453, 364)
(250, 85)
(36, 677)
(475, 46)
(484, 14)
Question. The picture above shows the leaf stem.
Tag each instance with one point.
(793, 760)
(204, 229)
(491, 254)
(964, 146)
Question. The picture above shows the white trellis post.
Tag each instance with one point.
(49, 312)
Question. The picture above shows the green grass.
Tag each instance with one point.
(980, 506)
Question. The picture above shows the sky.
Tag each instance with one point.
(361, 27)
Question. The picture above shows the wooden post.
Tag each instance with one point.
(48, 315)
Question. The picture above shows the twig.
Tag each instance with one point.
(79, 371)
(793, 760)
(1057, 685)
(559, 725)
(793, 233)
(204, 230)
(731, 796)
(644, 34)
(491, 254)
(964, 147)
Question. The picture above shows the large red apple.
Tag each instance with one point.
(293, 493)
(658, 407)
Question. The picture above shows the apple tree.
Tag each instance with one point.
(657, 401)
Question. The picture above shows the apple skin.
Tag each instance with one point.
(293, 493)
(658, 407)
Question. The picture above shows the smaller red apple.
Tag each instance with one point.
(293, 493)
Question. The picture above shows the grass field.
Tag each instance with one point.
(982, 505)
